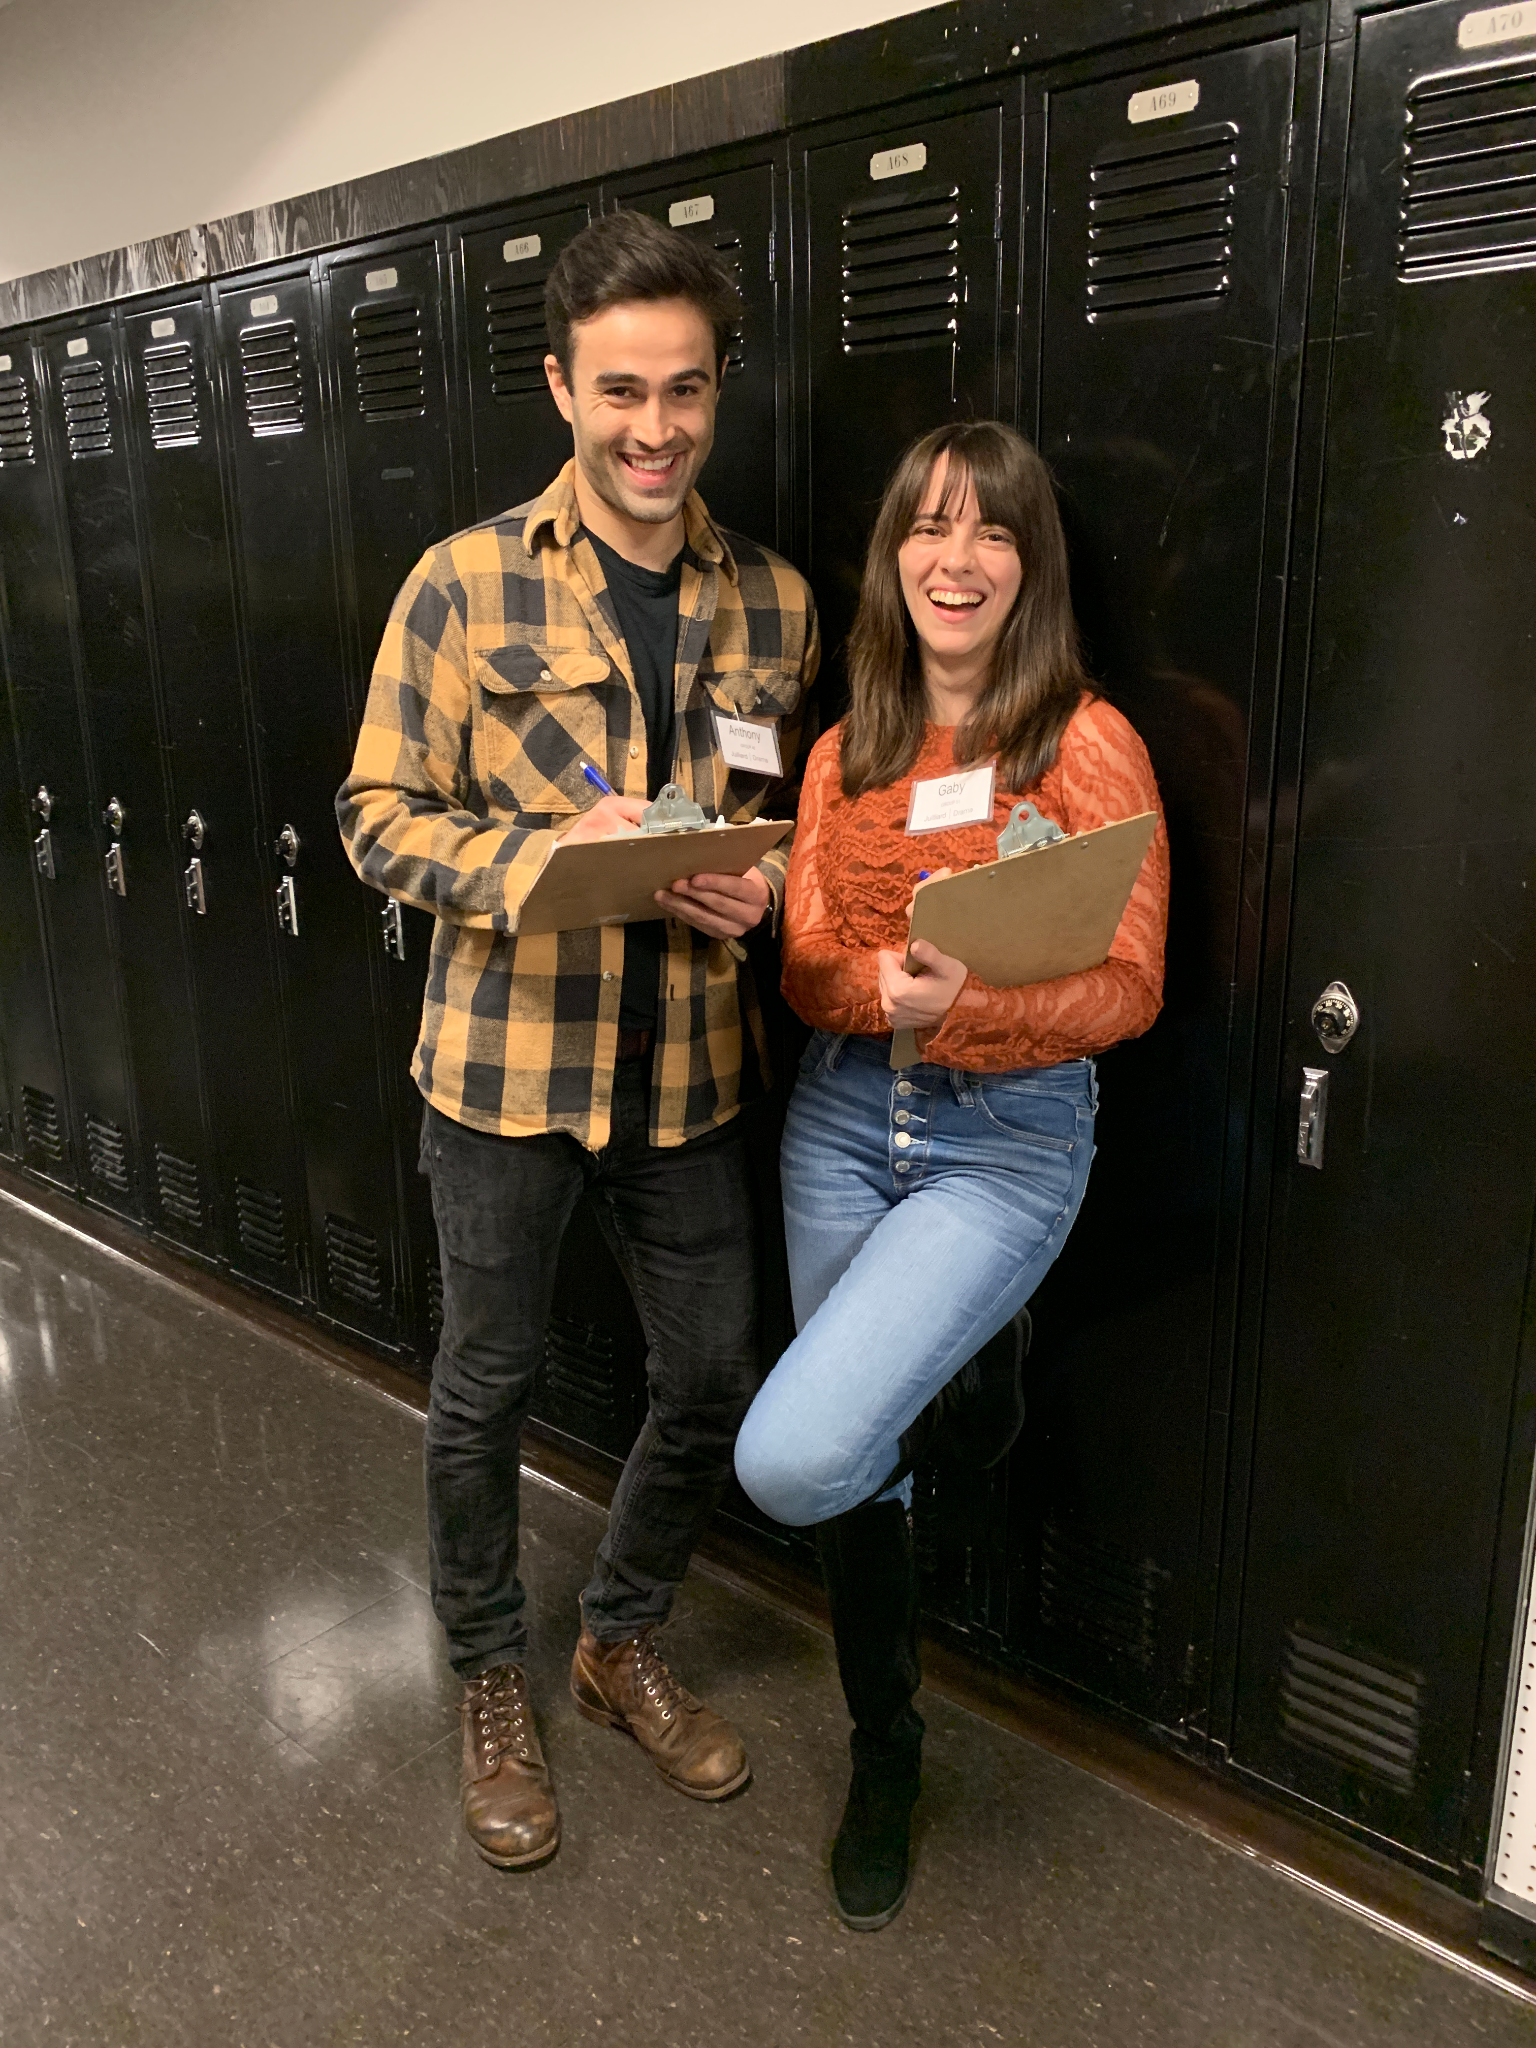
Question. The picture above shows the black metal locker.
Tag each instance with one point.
(738, 212)
(900, 297)
(328, 943)
(388, 332)
(224, 903)
(140, 845)
(518, 441)
(1400, 1222)
(36, 1106)
(1165, 227)
(95, 1122)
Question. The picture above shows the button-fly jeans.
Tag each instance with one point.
(681, 1223)
(922, 1210)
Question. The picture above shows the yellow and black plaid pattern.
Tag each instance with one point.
(501, 670)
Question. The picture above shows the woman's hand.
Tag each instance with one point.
(921, 1001)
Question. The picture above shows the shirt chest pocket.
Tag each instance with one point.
(764, 694)
(537, 716)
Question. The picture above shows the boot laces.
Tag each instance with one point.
(658, 1684)
(498, 1707)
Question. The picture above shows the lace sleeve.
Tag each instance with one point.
(827, 983)
(1105, 774)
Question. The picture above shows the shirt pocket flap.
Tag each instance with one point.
(502, 670)
(755, 692)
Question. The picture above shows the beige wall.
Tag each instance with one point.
(124, 119)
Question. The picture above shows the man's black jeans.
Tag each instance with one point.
(681, 1224)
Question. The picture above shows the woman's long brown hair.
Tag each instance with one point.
(1037, 679)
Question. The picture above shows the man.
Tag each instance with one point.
(608, 623)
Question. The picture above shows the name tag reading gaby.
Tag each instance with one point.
(963, 799)
(752, 747)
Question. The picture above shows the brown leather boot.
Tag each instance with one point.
(627, 1686)
(504, 1788)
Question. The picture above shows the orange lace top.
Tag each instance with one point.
(852, 872)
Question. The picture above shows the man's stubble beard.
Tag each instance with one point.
(605, 475)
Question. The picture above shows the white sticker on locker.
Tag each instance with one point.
(897, 163)
(5, 363)
(381, 280)
(1495, 25)
(264, 307)
(79, 346)
(521, 248)
(1159, 102)
(683, 213)
(160, 329)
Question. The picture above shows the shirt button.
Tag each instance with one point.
(544, 676)
(903, 1116)
(634, 753)
(607, 974)
(903, 1138)
(903, 1087)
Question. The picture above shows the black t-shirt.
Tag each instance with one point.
(646, 602)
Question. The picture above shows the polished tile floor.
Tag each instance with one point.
(228, 1769)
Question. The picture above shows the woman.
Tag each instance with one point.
(922, 1209)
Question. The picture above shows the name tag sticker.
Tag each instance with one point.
(1161, 102)
(1495, 25)
(962, 799)
(752, 747)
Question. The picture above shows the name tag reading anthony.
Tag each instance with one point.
(963, 799)
(754, 748)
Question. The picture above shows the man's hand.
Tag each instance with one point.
(921, 1001)
(604, 819)
(724, 906)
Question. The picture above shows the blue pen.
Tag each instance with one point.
(597, 780)
(923, 874)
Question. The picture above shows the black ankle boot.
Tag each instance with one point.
(866, 1558)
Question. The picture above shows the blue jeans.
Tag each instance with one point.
(921, 1211)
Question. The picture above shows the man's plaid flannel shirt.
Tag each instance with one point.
(501, 670)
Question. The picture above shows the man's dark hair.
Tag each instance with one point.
(627, 257)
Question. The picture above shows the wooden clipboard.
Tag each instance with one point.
(614, 881)
(1033, 916)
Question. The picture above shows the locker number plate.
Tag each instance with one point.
(899, 163)
(264, 307)
(5, 362)
(1495, 25)
(520, 248)
(382, 280)
(1161, 102)
(162, 329)
(683, 213)
(78, 346)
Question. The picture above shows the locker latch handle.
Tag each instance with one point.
(114, 817)
(117, 874)
(192, 881)
(194, 831)
(42, 803)
(288, 907)
(42, 855)
(288, 844)
(392, 920)
(1314, 1115)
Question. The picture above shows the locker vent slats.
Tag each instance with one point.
(902, 283)
(271, 378)
(181, 1188)
(170, 385)
(107, 1150)
(1350, 1707)
(387, 360)
(42, 1128)
(1469, 174)
(87, 419)
(1092, 1590)
(726, 243)
(1160, 223)
(260, 1221)
(516, 341)
(16, 442)
(579, 1367)
(352, 1262)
